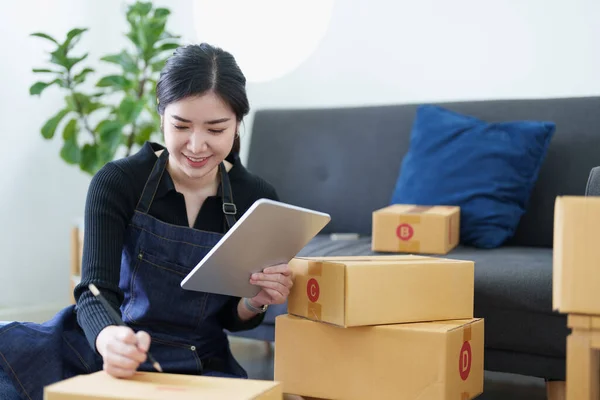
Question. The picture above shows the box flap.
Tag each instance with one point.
(434, 326)
(155, 386)
(401, 263)
(343, 259)
(406, 209)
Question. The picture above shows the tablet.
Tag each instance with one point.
(269, 233)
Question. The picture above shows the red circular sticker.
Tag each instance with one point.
(312, 290)
(405, 231)
(464, 361)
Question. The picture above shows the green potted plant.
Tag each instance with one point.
(120, 112)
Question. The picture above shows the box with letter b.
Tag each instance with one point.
(409, 228)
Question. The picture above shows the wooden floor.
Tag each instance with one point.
(257, 358)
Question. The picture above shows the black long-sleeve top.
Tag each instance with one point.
(112, 196)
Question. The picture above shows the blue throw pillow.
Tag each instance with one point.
(488, 169)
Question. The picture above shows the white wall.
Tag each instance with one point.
(386, 51)
(375, 52)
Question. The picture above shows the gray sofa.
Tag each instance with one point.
(345, 161)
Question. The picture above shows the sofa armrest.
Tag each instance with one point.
(593, 184)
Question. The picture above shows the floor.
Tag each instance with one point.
(257, 358)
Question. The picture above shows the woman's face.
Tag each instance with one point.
(199, 134)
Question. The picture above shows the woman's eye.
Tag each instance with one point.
(216, 131)
(180, 127)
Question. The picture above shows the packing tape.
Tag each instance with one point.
(450, 231)
(467, 333)
(314, 310)
(409, 219)
(410, 247)
(419, 209)
(465, 396)
(315, 268)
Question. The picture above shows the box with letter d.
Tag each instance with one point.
(433, 360)
(409, 228)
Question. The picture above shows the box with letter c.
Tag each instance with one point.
(373, 290)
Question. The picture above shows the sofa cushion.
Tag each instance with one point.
(488, 169)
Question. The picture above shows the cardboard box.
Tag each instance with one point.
(408, 228)
(154, 386)
(576, 255)
(434, 360)
(357, 291)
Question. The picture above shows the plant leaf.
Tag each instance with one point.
(152, 32)
(144, 133)
(50, 126)
(157, 66)
(161, 13)
(73, 37)
(72, 61)
(70, 151)
(70, 130)
(167, 46)
(141, 8)
(167, 35)
(129, 110)
(80, 77)
(124, 59)
(110, 133)
(45, 36)
(89, 159)
(43, 70)
(105, 154)
(38, 87)
(82, 103)
(59, 57)
(114, 81)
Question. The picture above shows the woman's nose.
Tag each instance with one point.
(197, 143)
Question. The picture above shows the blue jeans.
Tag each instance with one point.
(7, 389)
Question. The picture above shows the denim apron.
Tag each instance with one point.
(187, 337)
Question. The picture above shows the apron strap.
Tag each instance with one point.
(229, 208)
(151, 185)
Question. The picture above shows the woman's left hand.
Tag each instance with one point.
(276, 282)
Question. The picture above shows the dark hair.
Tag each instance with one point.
(193, 70)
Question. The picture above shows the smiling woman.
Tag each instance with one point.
(149, 219)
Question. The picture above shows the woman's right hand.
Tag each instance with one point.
(122, 350)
